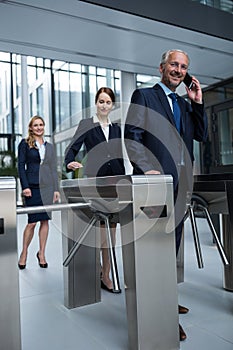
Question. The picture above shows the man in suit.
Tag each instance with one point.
(160, 129)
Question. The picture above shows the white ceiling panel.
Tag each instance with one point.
(79, 32)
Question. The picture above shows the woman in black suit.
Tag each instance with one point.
(38, 177)
(102, 141)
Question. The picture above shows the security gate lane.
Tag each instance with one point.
(144, 206)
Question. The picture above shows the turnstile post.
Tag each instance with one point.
(10, 332)
(149, 261)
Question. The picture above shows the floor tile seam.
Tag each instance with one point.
(208, 331)
(81, 328)
(39, 294)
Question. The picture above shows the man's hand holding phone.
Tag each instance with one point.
(193, 88)
(188, 80)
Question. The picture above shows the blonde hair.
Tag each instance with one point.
(30, 139)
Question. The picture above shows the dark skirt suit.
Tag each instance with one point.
(104, 158)
(41, 178)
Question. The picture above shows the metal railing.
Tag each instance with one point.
(52, 207)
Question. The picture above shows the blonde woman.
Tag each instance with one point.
(38, 176)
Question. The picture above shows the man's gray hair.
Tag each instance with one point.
(166, 55)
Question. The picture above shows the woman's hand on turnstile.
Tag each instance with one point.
(27, 192)
(74, 165)
(152, 172)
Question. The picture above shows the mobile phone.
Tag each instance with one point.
(188, 81)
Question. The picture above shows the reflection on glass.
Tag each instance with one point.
(75, 67)
(4, 91)
(225, 122)
(31, 60)
(101, 71)
(92, 89)
(75, 93)
(224, 5)
(101, 81)
(143, 80)
(31, 74)
(5, 56)
(92, 70)
(40, 100)
(42, 86)
(64, 99)
(58, 64)
(219, 93)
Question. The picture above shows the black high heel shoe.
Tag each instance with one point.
(43, 266)
(103, 286)
(21, 267)
(110, 290)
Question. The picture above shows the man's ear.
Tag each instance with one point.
(161, 68)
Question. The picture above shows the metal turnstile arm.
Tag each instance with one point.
(112, 258)
(196, 237)
(218, 243)
(78, 243)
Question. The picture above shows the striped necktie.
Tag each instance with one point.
(176, 110)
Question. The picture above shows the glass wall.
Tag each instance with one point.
(146, 80)
(224, 5)
(217, 153)
(61, 92)
(5, 96)
(10, 91)
(75, 86)
(225, 121)
(37, 92)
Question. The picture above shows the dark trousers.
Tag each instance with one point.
(178, 233)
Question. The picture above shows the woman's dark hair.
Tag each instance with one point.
(107, 91)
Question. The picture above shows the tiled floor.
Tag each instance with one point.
(47, 324)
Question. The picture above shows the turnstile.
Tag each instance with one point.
(144, 205)
(82, 277)
(10, 334)
(217, 191)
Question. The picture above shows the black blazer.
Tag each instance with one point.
(151, 139)
(31, 172)
(103, 158)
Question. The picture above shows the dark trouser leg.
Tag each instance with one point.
(178, 236)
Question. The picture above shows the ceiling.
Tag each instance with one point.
(84, 33)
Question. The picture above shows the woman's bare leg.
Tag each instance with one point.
(43, 236)
(105, 254)
(27, 238)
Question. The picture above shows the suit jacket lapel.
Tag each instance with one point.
(111, 132)
(99, 131)
(182, 114)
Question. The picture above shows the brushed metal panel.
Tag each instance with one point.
(10, 333)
